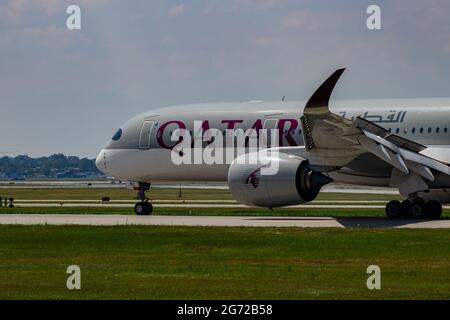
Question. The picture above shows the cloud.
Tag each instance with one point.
(240, 6)
(139, 55)
(49, 36)
(266, 4)
(299, 20)
(176, 11)
(49, 6)
(16, 10)
(264, 40)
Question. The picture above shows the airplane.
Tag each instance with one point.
(400, 144)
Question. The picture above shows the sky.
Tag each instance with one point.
(67, 91)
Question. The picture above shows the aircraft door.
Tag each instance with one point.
(146, 133)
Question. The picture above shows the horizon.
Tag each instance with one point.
(69, 90)
(44, 156)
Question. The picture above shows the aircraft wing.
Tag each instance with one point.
(332, 141)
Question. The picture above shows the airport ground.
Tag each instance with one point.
(222, 263)
(167, 201)
(179, 262)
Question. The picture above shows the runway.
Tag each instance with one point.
(194, 203)
(219, 221)
(187, 205)
(324, 204)
(176, 201)
(333, 187)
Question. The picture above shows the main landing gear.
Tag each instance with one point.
(144, 207)
(414, 208)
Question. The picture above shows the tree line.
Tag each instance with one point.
(54, 166)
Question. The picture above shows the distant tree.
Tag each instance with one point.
(52, 166)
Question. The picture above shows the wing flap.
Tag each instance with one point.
(334, 141)
(379, 131)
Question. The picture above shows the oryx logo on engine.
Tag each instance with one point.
(253, 179)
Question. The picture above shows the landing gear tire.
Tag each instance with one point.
(433, 209)
(418, 210)
(143, 208)
(394, 209)
(406, 208)
(414, 209)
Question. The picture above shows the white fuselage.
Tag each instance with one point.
(141, 150)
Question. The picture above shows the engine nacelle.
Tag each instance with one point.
(292, 183)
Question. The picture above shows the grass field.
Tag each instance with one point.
(113, 193)
(222, 263)
(201, 211)
(156, 262)
(155, 193)
(70, 194)
(304, 212)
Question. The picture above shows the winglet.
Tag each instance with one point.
(321, 96)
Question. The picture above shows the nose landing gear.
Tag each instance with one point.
(414, 208)
(144, 207)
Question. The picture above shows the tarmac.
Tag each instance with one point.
(220, 221)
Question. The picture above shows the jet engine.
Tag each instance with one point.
(274, 180)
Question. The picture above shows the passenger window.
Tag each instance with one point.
(437, 130)
(445, 130)
(389, 130)
(421, 130)
(397, 130)
(405, 130)
(429, 130)
(413, 130)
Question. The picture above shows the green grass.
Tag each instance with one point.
(216, 263)
(173, 194)
(200, 211)
(68, 194)
(222, 263)
(296, 212)
(155, 193)
(113, 193)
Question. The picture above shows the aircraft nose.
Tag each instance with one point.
(100, 161)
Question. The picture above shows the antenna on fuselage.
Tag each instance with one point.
(282, 99)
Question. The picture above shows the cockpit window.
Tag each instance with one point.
(117, 135)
